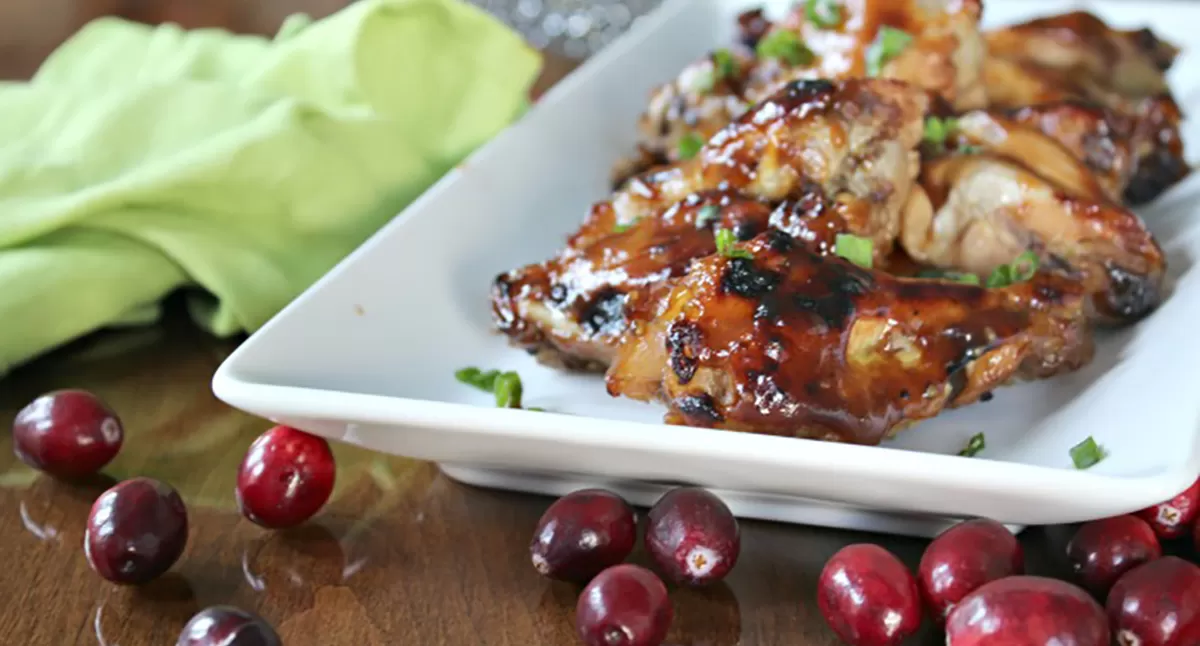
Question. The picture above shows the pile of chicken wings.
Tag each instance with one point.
(863, 214)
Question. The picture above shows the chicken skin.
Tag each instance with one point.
(980, 211)
(1075, 59)
(935, 45)
(773, 338)
(816, 159)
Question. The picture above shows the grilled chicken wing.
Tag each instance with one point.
(816, 159)
(1076, 59)
(783, 341)
(978, 212)
(944, 56)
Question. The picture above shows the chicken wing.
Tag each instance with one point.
(815, 159)
(937, 47)
(980, 211)
(776, 339)
(1076, 59)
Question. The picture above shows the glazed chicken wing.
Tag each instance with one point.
(815, 159)
(1077, 59)
(935, 45)
(980, 211)
(775, 339)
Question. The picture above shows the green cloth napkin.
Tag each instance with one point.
(140, 160)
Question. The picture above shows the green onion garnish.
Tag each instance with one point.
(956, 276)
(508, 390)
(483, 380)
(786, 46)
(622, 228)
(938, 130)
(970, 149)
(888, 44)
(724, 64)
(1018, 271)
(690, 145)
(855, 249)
(1087, 453)
(974, 446)
(707, 215)
(823, 13)
(725, 241)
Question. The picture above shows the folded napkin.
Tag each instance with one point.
(140, 160)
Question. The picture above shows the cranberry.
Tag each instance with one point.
(1027, 610)
(285, 478)
(136, 531)
(1157, 604)
(583, 533)
(1102, 550)
(227, 626)
(1173, 518)
(869, 597)
(67, 433)
(965, 557)
(625, 605)
(692, 536)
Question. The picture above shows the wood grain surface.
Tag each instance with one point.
(402, 555)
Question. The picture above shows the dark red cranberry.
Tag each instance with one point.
(1027, 610)
(1157, 604)
(285, 478)
(1174, 518)
(227, 626)
(869, 597)
(753, 25)
(136, 531)
(67, 433)
(963, 558)
(583, 533)
(625, 605)
(1102, 550)
(692, 536)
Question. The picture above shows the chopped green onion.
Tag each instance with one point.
(483, 380)
(1018, 271)
(690, 145)
(622, 228)
(536, 409)
(855, 249)
(974, 446)
(725, 241)
(937, 130)
(956, 276)
(889, 42)
(707, 215)
(823, 13)
(724, 64)
(506, 386)
(1087, 453)
(970, 149)
(786, 46)
(705, 82)
(508, 390)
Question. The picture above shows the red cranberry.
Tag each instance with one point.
(869, 597)
(583, 533)
(1173, 518)
(692, 536)
(1027, 610)
(1102, 550)
(136, 531)
(1157, 604)
(965, 557)
(285, 478)
(67, 433)
(227, 626)
(625, 605)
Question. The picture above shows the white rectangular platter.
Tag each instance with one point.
(368, 354)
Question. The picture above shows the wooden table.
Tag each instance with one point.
(402, 555)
